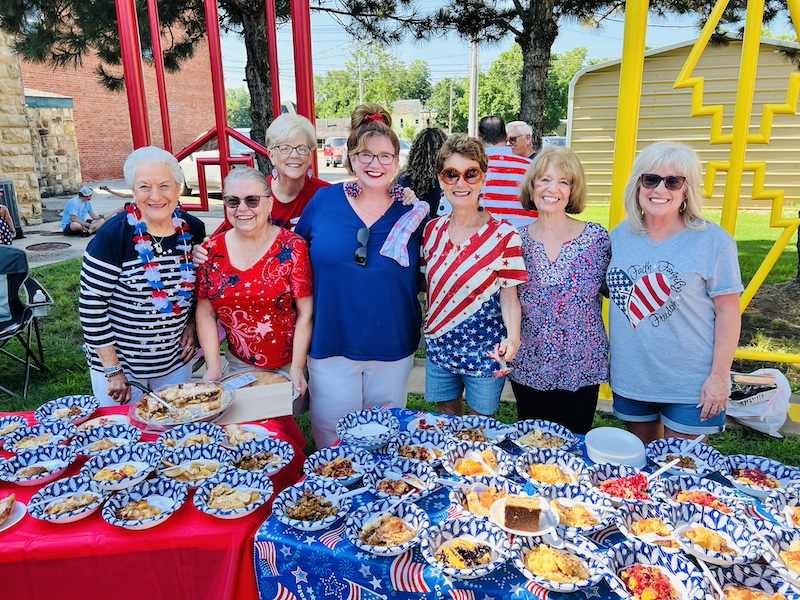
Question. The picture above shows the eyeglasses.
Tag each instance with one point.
(513, 140)
(250, 201)
(671, 182)
(302, 150)
(451, 176)
(366, 158)
(362, 235)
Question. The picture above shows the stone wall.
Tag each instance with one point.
(55, 145)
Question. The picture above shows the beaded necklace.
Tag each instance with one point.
(143, 243)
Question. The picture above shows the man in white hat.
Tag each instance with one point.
(79, 217)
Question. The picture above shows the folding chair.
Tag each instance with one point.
(20, 319)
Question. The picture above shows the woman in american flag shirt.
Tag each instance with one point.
(473, 265)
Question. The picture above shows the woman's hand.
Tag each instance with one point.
(212, 375)
(117, 390)
(298, 379)
(713, 396)
(507, 349)
(200, 253)
(409, 197)
(188, 343)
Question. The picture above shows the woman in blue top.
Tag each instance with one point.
(367, 316)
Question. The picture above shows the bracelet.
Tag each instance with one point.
(110, 372)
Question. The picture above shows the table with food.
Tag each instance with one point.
(152, 500)
(418, 505)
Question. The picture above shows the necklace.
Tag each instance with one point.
(157, 244)
(144, 244)
(466, 232)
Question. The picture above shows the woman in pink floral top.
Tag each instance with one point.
(563, 357)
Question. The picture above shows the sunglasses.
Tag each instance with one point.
(513, 139)
(235, 201)
(671, 182)
(451, 176)
(362, 235)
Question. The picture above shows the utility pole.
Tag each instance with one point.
(360, 82)
(473, 89)
(450, 123)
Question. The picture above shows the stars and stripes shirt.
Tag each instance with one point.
(116, 307)
(464, 282)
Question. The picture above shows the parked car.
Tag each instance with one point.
(554, 140)
(334, 149)
(210, 150)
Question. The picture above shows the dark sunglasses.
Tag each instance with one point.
(235, 201)
(451, 176)
(362, 235)
(671, 182)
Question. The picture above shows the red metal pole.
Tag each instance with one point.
(272, 48)
(303, 66)
(132, 69)
(158, 57)
(218, 86)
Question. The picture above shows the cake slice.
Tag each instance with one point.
(522, 512)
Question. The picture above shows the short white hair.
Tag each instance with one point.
(287, 126)
(150, 155)
(521, 126)
(241, 174)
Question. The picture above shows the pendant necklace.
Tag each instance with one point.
(456, 246)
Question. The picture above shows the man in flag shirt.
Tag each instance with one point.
(472, 264)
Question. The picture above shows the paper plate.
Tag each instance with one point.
(494, 431)
(165, 495)
(85, 405)
(120, 435)
(413, 517)
(630, 514)
(390, 470)
(55, 459)
(9, 424)
(785, 476)
(368, 429)
(422, 446)
(570, 465)
(522, 546)
(191, 434)
(458, 452)
(199, 456)
(548, 519)
(281, 453)
(61, 490)
(142, 457)
(458, 496)
(615, 446)
(572, 495)
(240, 481)
(706, 459)
(329, 491)
(599, 473)
(735, 532)
(59, 432)
(359, 459)
(756, 577)
(537, 433)
(481, 531)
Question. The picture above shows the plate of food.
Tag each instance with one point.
(565, 567)
(785, 554)
(194, 401)
(466, 548)
(311, 505)
(753, 582)
(67, 500)
(192, 434)
(122, 467)
(410, 479)
(36, 436)
(233, 494)
(545, 467)
(758, 476)
(705, 492)
(146, 505)
(386, 528)
(69, 409)
(341, 464)
(457, 461)
(422, 446)
(523, 515)
(537, 433)
(639, 567)
(192, 465)
(10, 424)
(478, 429)
(647, 522)
(701, 459)
(102, 439)
(12, 511)
(621, 483)
(713, 536)
(104, 421)
(483, 494)
(368, 429)
(428, 422)
(37, 466)
(784, 505)
(266, 456)
(580, 511)
(236, 435)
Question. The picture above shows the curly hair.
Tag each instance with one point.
(421, 168)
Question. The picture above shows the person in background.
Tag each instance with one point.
(674, 284)
(7, 229)
(420, 174)
(74, 221)
(520, 138)
(563, 357)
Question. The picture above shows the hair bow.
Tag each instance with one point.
(375, 117)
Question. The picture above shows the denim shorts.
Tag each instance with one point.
(483, 393)
(683, 418)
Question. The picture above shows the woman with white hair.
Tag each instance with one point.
(137, 285)
(674, 282)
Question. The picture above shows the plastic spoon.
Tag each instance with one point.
(387, 511)
(412, 481)
(765, 542)
(711, 579)
(476, 487)
(474, 456)
(663, 469)
(349, 494)
(788, 514)
(691, 445)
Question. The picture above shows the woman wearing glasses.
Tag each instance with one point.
(473, 265)
(674, 282)
(367, 316)
(257, 282)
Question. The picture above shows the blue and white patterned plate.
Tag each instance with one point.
(142, 457)
(537, 433)
(55, 459)
(473, 530)
(194, 464)
(390, 470)
(411, 515)
(688, 581)
(326, 489)
(104, 421)
(240, 434)
(597, 474)
(33, 436)
(240, 481)
(120, 435)
(10, 424)
(785, 475)
(49, 411)
(522, 546)
(706, 458)
(493, 430)
(569, 496)
(571, 466)
(779, 500)
(435, 423)
(62, 490)
(167, 496)
(629, 514)
(282, 454)
(427, 446)
(458, 496)
(755, 577)
(727, 496)
(361, 461)
(368, 429)
(190, 434)
(735, 533)
(455, 453)
(780, 540)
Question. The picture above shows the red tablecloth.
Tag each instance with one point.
(191, 555)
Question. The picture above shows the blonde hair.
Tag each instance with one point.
(369, 121)
(679, 159)
(564, 160)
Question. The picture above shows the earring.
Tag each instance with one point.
(274, 173)
(310, 173)
(683, 206)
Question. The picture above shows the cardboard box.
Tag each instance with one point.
(258, 402)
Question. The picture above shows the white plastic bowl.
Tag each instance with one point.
(616, 446)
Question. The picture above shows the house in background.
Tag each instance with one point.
(665, 114)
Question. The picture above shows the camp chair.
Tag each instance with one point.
(20, 319)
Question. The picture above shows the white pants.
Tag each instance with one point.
(339, 386)
(100, 384)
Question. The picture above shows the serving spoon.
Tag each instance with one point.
(149, 392)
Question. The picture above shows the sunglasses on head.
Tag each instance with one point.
(671, 182)
(451, 176)
(235, 201)
(362, 235)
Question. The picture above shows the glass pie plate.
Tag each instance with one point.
(156, 416)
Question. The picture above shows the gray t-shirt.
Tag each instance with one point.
(661, 319)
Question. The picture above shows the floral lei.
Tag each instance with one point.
(144, 246)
